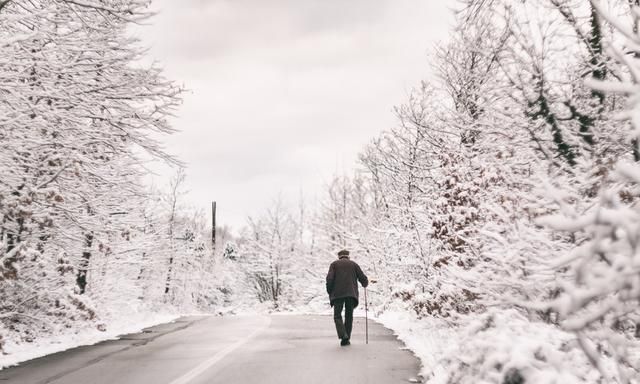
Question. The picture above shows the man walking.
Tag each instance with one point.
(342, 287)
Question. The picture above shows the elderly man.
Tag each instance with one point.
(342, 287)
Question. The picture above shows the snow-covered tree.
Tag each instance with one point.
(599, 299)
(77, 112)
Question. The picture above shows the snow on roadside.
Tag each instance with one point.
(131, 323)
(427, 338)
(501, 346)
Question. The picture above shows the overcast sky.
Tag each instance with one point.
(285, 93)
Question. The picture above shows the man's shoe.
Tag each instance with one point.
(344, 342)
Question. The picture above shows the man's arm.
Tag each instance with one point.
(330, 278)
(362, 278)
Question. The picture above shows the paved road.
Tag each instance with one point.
(278, 349)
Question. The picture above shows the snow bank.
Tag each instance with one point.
(500, 346)
(426, 338)
(112, 328)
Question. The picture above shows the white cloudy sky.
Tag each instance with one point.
(284, 93)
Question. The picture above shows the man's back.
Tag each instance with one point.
(342, 279)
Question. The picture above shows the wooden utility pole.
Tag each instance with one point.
(213, 226)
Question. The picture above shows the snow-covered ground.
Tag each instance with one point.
(425, 338)
(113, 328)
(495, 347)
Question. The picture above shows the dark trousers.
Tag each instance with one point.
(343, 328)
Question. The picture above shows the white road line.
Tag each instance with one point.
(197, 371)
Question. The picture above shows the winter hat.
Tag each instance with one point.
(344, 252)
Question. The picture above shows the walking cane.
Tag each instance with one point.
(366, 316)
(366, 312)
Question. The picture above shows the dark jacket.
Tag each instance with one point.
(342, 279)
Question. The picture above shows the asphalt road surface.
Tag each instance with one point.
(279, 349)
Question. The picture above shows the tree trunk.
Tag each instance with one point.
(81, 278)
